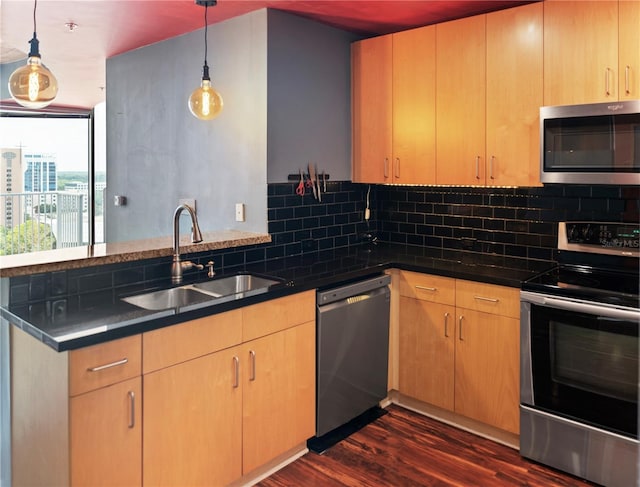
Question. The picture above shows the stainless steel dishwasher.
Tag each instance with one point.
(352, 351)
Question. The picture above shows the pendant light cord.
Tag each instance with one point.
(34, 51)
(206, 27)
(35, 4)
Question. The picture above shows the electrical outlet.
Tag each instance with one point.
(239, 212)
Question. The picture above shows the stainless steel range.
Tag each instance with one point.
(579, 355)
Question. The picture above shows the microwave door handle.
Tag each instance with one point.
(613, 313)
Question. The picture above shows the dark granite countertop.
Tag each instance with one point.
(69, 329)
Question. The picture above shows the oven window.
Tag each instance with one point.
(594, 360)
(585, 367)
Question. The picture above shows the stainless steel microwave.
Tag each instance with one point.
(591, 144)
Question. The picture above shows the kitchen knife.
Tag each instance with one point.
(312, 176)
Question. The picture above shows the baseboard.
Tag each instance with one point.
(448, 417)
(268, 469)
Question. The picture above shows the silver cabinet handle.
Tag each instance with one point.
(132, 409)
(108, 366)
(482, 298)
(491, 166)
(627, 77)
(446, 319)
(460, 328)
(397, 168)
(252, 357)
(386, 167)
(236, 372)
(424, 288)
(477, 167)
(606, 81)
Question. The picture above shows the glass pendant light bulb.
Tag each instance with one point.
(33, 85)
(205, 102)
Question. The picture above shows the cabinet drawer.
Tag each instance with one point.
(104, 364)
(278, 314)
(436, 289)
(185, 341)
(488, 298)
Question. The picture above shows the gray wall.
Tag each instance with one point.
(285, 81)
(158, 153)
(309, 98)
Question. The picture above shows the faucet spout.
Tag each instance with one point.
(196, 236)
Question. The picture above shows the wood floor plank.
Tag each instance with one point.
(405, 449)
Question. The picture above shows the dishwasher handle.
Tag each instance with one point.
(353, 289)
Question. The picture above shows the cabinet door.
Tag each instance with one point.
(629, 52)
(514, 96)
(460, 101)
(106, 435)
(414, 106)
(580, 52)
(371, 109)
(427, 338)
(487, 368)
(279, 394)
(193, 422)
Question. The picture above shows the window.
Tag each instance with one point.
(52, 180)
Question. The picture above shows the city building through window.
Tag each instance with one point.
(52, 180)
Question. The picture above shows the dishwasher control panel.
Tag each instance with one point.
(352, 289)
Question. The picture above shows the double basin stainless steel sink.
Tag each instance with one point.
(234, 287)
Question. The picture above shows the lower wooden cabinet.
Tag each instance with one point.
(76, 416)
(487, 369)
(193, 422)
(211, 419)
(427, 358)
(106, 435)
(462, 356)
(278, 408)
(209, 401)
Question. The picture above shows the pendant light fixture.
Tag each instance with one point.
(205, 102)
(33, 85)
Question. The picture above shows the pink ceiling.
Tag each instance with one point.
(110, 27)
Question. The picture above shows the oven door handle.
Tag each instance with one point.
(592, 309)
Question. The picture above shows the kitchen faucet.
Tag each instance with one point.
(177, 265)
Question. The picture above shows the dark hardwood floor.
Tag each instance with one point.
(403, 448)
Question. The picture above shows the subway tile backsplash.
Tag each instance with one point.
(504, 222)
(513, 225)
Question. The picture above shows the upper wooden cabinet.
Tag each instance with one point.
(460, 101)
(628, 50)
(371, 109)
(514, 96)
(489, 90)
(591, 51)
(394, 108)
(414, 106)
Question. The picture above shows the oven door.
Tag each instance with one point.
(580, 361)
